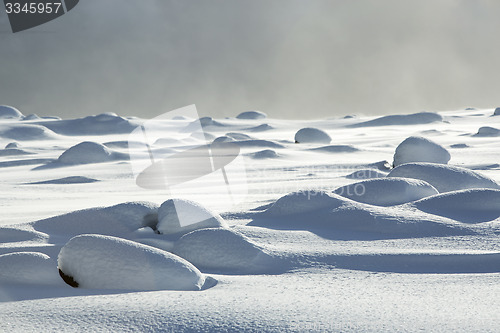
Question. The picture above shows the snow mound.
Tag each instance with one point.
(223, 139)
(419, 149)
(260, 128)
(336, 149)
(239, 136)
(104, 262)
(312, 135)
(302, 202)
(180, 216)
(118, 220)
(252, 115)
(387, 191)
(259, 143)
(68, 180)
(27, 132)
(459, 145)
(9, 112)
(496, 112)
(89, 152)
(263, 154)
(31, 117)
(223, 250)
(14, 152)
(366, 174)
(28, 268)
(102, 124)
(444, 178)
(12, 145)
(469, 206)
(402, 119)
(487, 131)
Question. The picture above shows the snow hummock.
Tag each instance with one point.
(180, 216)
(26, 132)
(266, 153)
(67, 180)
(366, 174)
(444, 178)
(105, 262)
(469, 206)
(419, 149)
(12, 145)
(223, 250)
(496, 112)
(28, 268)
(405, 119)
(301, 202)
(9, 112)
(102, 124)
(487, 131)
(312, 135)
(89, 152)
(252, 115)
(387, 191)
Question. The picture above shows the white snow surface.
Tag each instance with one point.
(419, 149)
(105, 262)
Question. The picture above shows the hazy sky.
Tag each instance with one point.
(289, 58)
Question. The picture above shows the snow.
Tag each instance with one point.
(419, 149)
(487, 131)
(104, 262)
(312, 135)
(28, 268)
(179, 216)
(387, 191)
(266, 153)
(444, 178)
(252, 115)
(496, 112)
(406, 119)
(366, 174)
(223, 250)
(89, 152)
(26, 132)
(9, 112)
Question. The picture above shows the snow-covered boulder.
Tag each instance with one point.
(387, 191)
(402, 119)
(302, 202)
(180, 216)
(9, 112)
(28, 268)
(496, 112)
(12, 145)
(252, 115)
(265, 154)
(444, 178)
(487, 131)
(223, 249)
(419, 149)
(105, 262)
(89, 152)
(27, 132)
(366, 174)
(312, 135)
(470, 206)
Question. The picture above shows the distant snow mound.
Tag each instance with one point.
(302, 202)
(239, 136)
(488, 131)
(102, 124)
(444, 178)
(105, 262)
(404, 119)
(459, 145)
(12, 145)
(223, 139)
(223, 250)
(336, 149)
(9, 112)
(496, 112)
(118, 220)
(28, 268)
(387, 191)
(312, 135)
(68, 180)
(419, 149)
(180, 216)
(366, 174)
(31, 117)
(252, 115)
(264, 154)
(89, 152)
(26, 132)
(259, 143)
(469, 206)
(260, 128)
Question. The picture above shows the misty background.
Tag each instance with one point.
(288, 58)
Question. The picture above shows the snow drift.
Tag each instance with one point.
(444, 178)
(89, 152)
(9, 112)
(406, 119)
(312, 135)
(252, 115)
(104, 262)
(419, 149)
(28, 268)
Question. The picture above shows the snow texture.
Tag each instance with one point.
(419, 149)
(105, 262)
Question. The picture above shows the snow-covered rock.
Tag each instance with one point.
(89, 152)
(264, 154)
(470, 206)
(444, 178)
(28, 268)
(180, 216)
(223, 249)
(366, 174)
(105, 262)
(402, 119)
(419, 149)
(496, 112)
(26, 132)
(487, 131)
(387, 191)
(102, 124)
(12, 145)
(9, 112)
(312, 135)
(252, 115)
(302, 202)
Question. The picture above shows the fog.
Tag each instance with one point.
(288, 58)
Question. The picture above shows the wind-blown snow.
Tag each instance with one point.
(419, 149)
(104, 262)
(444, 178)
